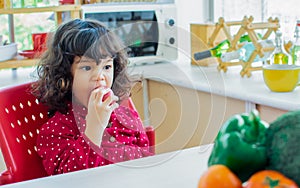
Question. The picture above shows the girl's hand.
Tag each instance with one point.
(102, 103)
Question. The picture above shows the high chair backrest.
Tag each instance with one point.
(20, 118)
(21, 115)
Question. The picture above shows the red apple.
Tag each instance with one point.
(106, 95)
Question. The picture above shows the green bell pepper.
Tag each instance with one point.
(240, 145)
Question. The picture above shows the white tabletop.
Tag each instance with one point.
(175, 169)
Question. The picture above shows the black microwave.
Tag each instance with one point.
(148, 31)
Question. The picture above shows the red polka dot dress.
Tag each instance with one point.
(62, 145)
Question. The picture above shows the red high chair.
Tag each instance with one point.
(21, 115)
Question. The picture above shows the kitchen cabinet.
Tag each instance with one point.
(187, 105)
(57, 10)
(268, 113)
(183, 117)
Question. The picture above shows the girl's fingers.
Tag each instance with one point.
(100, 92)
(92, 96)
(111, 107)
(114, 99)
(110, 99)
(114, 106)
(104, 97)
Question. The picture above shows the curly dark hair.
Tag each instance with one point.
(77, 37)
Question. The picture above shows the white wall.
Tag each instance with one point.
(189, 11)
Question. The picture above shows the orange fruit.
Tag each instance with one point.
(219, 176)
(269, 179)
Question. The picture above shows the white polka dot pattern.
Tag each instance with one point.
(64, 148)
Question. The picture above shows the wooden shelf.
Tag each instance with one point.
(74, 10)
(18, 63)
(60, 8)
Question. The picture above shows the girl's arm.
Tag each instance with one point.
(133, 147)
(125, 138)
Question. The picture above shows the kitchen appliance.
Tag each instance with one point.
(148, 30)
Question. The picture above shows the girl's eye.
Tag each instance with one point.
(107, 67)
(86, 68)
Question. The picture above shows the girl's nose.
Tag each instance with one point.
(99, 75)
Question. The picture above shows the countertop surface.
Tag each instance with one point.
(206, 79)
(182, 168)
(230, 84)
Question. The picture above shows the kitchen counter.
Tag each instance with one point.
(182, 168)
(229, 84)
(206, 79)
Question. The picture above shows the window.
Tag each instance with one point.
(261, 10)
(24, 25)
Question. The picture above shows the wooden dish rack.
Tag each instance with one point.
(246, 26)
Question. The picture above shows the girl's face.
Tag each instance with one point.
(87, 76)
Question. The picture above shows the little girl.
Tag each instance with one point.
(81, 78)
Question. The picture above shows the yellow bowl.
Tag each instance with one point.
(281, 78)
